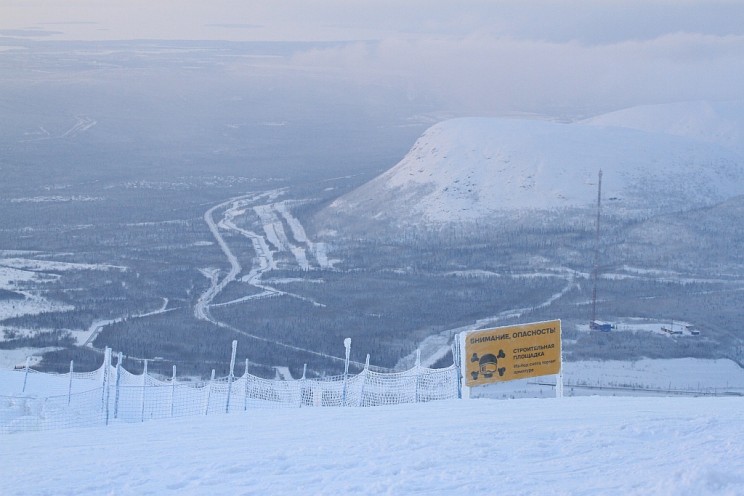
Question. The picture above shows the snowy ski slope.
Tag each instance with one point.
(573, 446)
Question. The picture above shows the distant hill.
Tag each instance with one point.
(655, 159)
(713, 122)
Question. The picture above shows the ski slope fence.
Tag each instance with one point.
(112, 394)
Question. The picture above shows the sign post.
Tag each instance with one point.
(508, 353)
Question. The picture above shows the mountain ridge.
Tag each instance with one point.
(470, 169)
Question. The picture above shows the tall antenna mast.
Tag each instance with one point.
(595, 272)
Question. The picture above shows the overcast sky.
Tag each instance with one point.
(486, 56)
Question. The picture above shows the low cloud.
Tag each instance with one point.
(558, 57)
(486, 74)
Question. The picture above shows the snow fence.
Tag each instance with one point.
(112, 394)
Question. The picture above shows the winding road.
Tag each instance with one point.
(436, 347)
(263, 260)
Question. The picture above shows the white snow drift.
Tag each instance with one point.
(574, 446)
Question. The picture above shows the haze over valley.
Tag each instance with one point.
(164, 195)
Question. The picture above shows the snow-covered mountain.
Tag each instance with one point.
(713, 122)
(656, 158)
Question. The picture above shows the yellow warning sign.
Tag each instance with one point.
(512, 352)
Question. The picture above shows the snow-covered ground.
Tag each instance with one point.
(17, 356)
(655, 326)
(31, 304)
(25, 277)
(573, 446)
(688, 376)
(86, 337)
(15, 276)
(34, 265)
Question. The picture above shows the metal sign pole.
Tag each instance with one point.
(463, 366)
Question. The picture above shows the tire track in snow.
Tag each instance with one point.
(271, 218)
(298, 233)
(263, 262)
(97, 327)
(82, 124)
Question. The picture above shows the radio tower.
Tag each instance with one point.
(595, 272)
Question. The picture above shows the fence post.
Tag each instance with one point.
(118, 382)
(418, 375)
(173, 390)
(144, 385)
(104, 376)
(364, 382)
(347, 345)
(318, 393)
(230, 377)
(69, 387)
(106, 372)
(303, 385)
(25, 374)
(209, 393)
(245, 398)
(559, 379)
